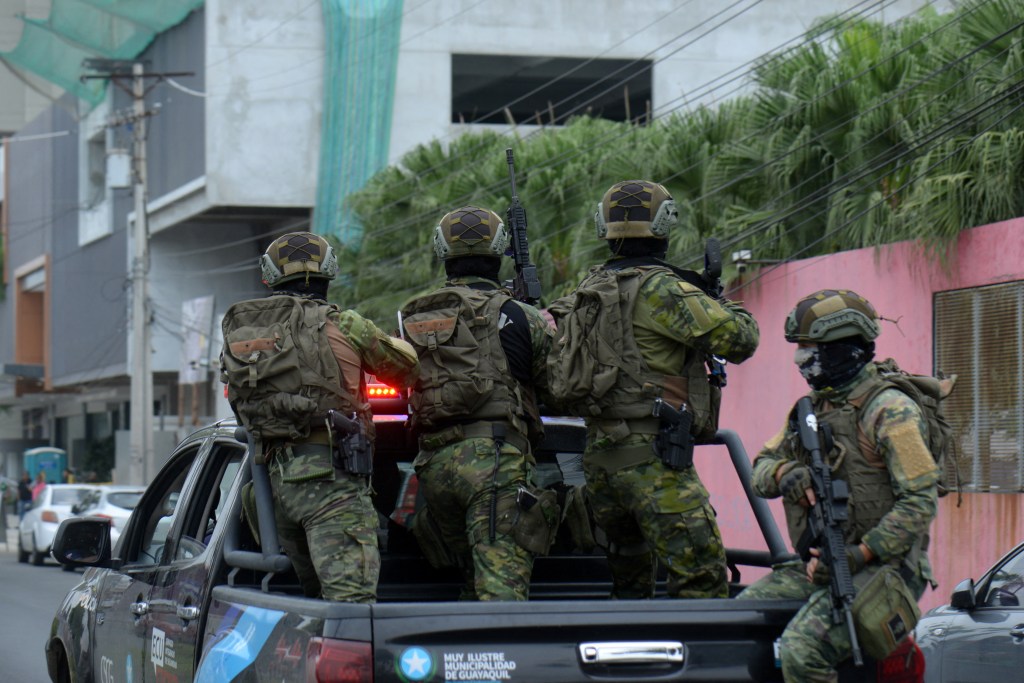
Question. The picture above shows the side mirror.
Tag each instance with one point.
(83, 542)
(963, 595)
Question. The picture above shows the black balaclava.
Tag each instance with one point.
(473, 266)
(315, 287)
(639, 246)
(833, 364)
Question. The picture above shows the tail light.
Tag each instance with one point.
(904, 665)
(49, 516)
(338, 661)
(381, 391)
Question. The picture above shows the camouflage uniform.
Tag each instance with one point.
(648, 511)
(892, 425)
(326, 521)
(457, 478)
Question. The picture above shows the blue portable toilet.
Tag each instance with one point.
(46, 459)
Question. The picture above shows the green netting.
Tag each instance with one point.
(361, 58)
(76, 30)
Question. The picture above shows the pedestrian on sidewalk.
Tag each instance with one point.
(24, 495)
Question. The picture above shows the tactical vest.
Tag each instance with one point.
(281, 374)
(855, 459)
(464, 374)
(602, 369)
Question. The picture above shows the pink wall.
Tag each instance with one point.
(899, 280)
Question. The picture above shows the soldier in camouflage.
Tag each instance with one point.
(326, 521)
(475, 407)
(649, 511)
(880, 450)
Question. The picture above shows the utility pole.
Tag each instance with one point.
(143, 457)
(142, 467)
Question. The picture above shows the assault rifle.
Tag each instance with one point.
(352, 450)
(712, 277)
(525, 285)
(674, 443)
(825, 524)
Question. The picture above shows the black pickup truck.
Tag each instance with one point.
(189, 594)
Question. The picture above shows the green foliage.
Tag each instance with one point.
(863, 135)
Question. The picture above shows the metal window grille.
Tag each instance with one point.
(979, 336)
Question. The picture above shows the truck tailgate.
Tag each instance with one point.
(565, 641)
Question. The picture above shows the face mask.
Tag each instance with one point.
(832, 364)
(808, 360)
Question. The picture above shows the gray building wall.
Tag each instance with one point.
(176, 136)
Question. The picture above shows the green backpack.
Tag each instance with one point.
(463, 370)
(928, 393)
(280, 372)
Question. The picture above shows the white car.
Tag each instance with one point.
(39, 525)
(111, 502)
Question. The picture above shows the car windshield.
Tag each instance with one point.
(126, 500)
(68, 496)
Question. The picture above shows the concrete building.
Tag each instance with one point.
(237, 150)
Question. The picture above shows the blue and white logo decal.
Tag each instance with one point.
(415, 664)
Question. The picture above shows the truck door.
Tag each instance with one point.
(182, 586)
(122, 639)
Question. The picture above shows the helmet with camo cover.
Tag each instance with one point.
(635, 208)
(298, 255)
(470, 231)
(832, 314)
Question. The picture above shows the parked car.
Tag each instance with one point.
(979, 635)
(50, 508)
(111, 502)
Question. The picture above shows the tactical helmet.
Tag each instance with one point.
(298, 255)
(635, 208)
(832, 314)
(470, 231)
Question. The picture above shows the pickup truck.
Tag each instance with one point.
(188, 593)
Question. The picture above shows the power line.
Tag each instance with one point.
(885, 198)
(549, 164)
(945, 67)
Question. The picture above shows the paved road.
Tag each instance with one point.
(29, 597)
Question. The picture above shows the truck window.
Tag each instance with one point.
(209, 500)
(160, 510)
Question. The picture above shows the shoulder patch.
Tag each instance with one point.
(910, 450)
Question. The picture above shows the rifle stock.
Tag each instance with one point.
(825, 522)
(525, 284)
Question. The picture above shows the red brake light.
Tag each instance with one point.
(381, 391)
(904, 665)
(338, 661)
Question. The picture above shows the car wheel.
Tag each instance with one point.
(22, 553)
(37, 557)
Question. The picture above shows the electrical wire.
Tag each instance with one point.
(888, 195)
(568, 156)
(555, 162)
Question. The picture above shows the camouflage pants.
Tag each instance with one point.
(812, 646)
(327, 525)
(456, 481)
(650, 512)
